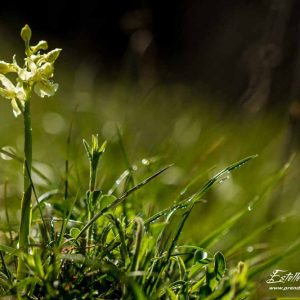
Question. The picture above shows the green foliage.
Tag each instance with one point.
(124, 256)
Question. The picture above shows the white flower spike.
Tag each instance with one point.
(35, 75)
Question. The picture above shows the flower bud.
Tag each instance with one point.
(26, 33)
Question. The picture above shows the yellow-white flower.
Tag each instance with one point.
(15, 93)
(36, 74)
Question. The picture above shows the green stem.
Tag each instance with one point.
(26, 205)
(90, 214)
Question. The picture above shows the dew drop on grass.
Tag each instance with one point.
(145, 162)
(250, 249)
(10, 150)
(250, 206)
(222, 180)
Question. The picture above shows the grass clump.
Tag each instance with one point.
(96, 244)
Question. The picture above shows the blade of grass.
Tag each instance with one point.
(66, 192)
(5, 269)
(129, 181)
(38, 204)
(66, 220)
(138, 242)
(121, 233)
(125, 157)
(197, 196)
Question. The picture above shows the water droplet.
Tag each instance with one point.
(250, 207)
(145, 162)
(222, 180)
(9, 150)
(250, 249)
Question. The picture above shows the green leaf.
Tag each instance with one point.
(74, 232)
(95, 142)
(87, 149)
(195, 269)
(220, 265)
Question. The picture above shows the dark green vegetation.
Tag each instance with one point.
(139, 229)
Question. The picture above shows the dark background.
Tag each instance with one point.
(247, 51)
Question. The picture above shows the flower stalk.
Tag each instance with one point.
(34, 76)
(26, 204)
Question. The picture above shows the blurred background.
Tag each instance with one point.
(200, 84)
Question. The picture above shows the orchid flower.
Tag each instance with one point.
(35, 75)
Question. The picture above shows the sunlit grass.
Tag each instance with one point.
(147, 130)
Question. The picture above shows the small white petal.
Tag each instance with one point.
(45, 88)
(16, 109)
(6, 83)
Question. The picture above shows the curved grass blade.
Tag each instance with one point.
(197, 196)
(218, 176)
